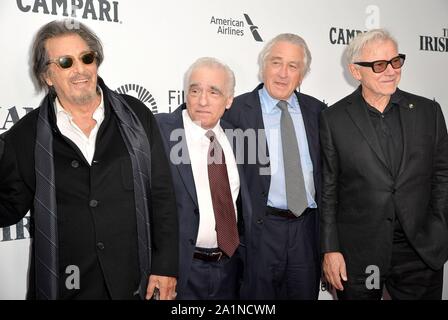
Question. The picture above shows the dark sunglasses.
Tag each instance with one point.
(381, 65)
(66, 62)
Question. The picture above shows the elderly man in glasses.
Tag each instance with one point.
(384, 206)
(90, 166)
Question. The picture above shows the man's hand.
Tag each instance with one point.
(334, 269)
(165, 285)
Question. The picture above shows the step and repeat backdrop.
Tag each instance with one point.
(149, 45)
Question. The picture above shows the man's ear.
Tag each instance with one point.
(229, 102)
(354, 70)
(46, 77)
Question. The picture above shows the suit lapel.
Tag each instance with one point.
(407, 117)
(184, 167)
(254, 119)
(310, 127)
(360, 117)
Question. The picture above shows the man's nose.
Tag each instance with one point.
(203, 98)
(283, 71)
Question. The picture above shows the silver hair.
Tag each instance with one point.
(58, 28)
(286, 37)
(357, 44)
(213, 63)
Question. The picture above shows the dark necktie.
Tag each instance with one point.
(45, 218)
(226, 228)
(295, 184)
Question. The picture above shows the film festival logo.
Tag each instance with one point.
(236, 27)
(140, 93)
(102, 10)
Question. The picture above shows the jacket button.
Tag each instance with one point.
(192, 242)
(394, 190)
(93, 203)
(100, 245)
(75, 164)
(196, 211)
(260, 221)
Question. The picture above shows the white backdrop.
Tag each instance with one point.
(149, 44)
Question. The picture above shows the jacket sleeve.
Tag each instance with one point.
(330, 169)
(15, 197)
(439, 181)
(165, 229)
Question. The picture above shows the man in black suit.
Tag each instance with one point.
(284, 179)
(384, 206)
(90, 166)
(209, 268)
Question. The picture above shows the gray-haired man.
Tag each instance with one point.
(90, 165)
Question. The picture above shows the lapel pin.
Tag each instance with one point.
(411, 106)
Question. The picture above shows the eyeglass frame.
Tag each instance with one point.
(401, 56)
(57, 62)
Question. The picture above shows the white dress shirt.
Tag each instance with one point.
(69, 129)
(198, 145)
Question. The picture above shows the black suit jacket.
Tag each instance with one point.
(100, 240)
(246, 113)
(187, 202)
(361, 197)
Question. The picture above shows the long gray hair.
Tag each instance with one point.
(58, 28)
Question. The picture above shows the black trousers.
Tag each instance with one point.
(408, 277)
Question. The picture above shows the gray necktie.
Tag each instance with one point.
(295, 185)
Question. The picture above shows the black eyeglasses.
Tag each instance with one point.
(66, 62)
(381, 65)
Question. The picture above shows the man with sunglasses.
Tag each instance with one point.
(89, 164)
(384, 206)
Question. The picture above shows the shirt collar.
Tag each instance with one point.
(270, 104)
(98, 114)
(195, 130)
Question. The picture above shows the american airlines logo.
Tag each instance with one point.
(235, 27)
(253, 28)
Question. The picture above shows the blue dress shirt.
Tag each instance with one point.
(271, 119)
